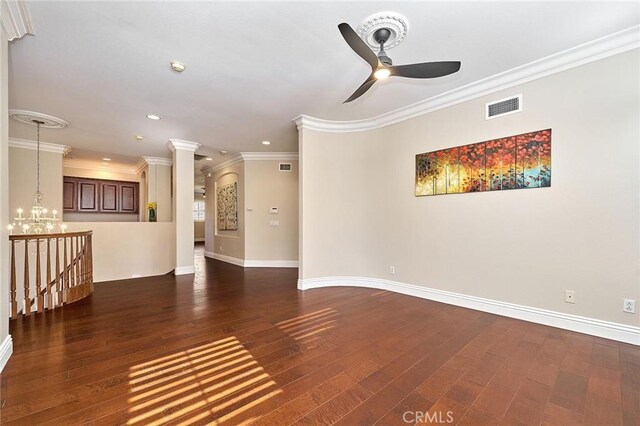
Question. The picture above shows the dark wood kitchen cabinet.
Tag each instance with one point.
(70, 195)
(87, 196)
(99, 195)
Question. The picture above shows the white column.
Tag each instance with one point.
(5, 339)
(183, 173)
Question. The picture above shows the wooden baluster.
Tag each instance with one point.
(49, 299)
(77, 265)
(90, 260)
(38, 296)
(85, 281)
(65, 268)
(82, 258)
(27, 298)
(58, 289)
(72, 271)
(14, 302)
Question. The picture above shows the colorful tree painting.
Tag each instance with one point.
(533, 159)
(500, 163)
(472, 158)
(521, 161)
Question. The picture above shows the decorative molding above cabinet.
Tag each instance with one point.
(85, 195)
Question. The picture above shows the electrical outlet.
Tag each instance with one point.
(569, 296)
(629, 306)
(220, 248)
(392, 270)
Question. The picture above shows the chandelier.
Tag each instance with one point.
(40, 221)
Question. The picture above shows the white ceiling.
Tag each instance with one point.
(254, 66)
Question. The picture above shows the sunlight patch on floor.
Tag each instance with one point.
(309, 325)
(213, 382)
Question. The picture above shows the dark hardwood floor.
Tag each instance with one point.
(242, 346)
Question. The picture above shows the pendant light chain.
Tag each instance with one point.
(38, 159)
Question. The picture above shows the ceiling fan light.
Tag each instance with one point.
(382, 73)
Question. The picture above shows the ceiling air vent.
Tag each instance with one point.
(285, 167)
(503, 107)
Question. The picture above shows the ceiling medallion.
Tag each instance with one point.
(31, 117)
(397, 24)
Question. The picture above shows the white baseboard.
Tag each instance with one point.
(184, 270)
(608, 330)
(252, 263)
(270, 263)
(6, 349)
(223, 258)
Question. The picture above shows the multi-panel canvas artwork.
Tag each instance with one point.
(513, 162)
(227, 207)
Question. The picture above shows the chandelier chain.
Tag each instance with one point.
(38, 159)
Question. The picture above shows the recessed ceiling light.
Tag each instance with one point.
(223, 152)
(106, 159)
(177, 66)
(153, 117)
(209, 159)
(266, 143)
(139, 137)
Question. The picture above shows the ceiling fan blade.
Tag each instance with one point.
(358, 45)
(363, 88)
(425, 69)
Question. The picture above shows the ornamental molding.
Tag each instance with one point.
(15, 19)
(178, 144)
(44, 146)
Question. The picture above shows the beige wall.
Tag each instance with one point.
(158, 187)
(360, 215)
(266, 187)
(128, 250)
(198, 231)
(163, 192)
(99, 174)
(22, 179)
(4, 187)
(198, 226)
(227, 243)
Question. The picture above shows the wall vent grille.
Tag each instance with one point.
(285, 167)
(502, 107)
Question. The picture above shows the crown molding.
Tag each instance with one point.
(234, 159)
(92, 165)
(44, 146)
(152, 161)
(182, 145)
(15, 19)
(277, 156)
(601, 48)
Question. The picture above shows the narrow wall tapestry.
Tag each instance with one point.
(514, 162)
(227, 207)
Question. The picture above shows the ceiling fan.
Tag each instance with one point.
(382, 66)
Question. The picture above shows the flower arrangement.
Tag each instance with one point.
(152, 211)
